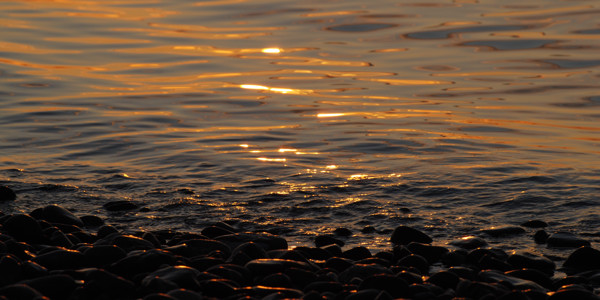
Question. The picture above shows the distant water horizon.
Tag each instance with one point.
(304, 117)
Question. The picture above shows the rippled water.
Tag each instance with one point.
(305, 116)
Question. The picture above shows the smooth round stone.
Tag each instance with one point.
(218, 288)
(357, 253)
(534, 275)
(415, 261)
(91, 221)
(58, 214)
(137, 262)
(277, 280)
(338, 263)
(524, 260)
(206, 246)
(10, 270)
(582, 259)
(21, 291)
(215, 231)
(106, 230)
(158, 296)
(395, 286)
(7, 194)
(32, 270)
(368, 229)
(502, 231)
(541, 237)
(534, 224)
(266, 240)
(228, 273)
(333, 249)
(250, 249)
(342, 232)
(99, 281)
(300, 277)
(103, 255)
(325, 240)
(403, 235)
(469, 242)
(431, 253)
(266, 266)
(61, 260)
(183, 294)
(23, 228)
(362, 271)
(324, 286)
(275, 293)
(514, 282)
(567, 240)
(572, 294)
(55, 286)
(444, 279)
(182, 276)
(121, 205)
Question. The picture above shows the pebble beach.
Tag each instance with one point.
(51, 253)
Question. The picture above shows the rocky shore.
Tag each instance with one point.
(50, 253)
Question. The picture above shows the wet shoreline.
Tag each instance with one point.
(50, 252)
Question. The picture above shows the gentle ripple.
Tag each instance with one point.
(300, 117)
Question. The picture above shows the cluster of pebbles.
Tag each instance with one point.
(52, 254)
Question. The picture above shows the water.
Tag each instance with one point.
(304, 116)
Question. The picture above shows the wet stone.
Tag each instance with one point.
(362, 271)
(91, 221)
(7, 194)
(61, 260)
(567, 240)
(342, 232)
(415, 261)
(103, 255)
(324, 240)
(55, 286)
(541, 237)
(524, 260)
(21, 291)
(183, 294)
(58, 214)
(396, 287)
(24, 228)
(121, 205)
(503, 231)
(431, 253)
(582, 259)
(357, 253)
(534, 224)
(403, 235)
(469, 242)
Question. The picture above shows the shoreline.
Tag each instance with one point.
(52, 253)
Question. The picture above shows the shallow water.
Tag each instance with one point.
(301, 117)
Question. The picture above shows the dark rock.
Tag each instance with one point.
(23, 228)
(103, 255)
(342, 232)
(32, 270)
(415, 261)
(300, 277)
(324, 240)
(582, 259)
(58, 214)
(395, 286)
(215, 231)
(268, 266)
(469, 242)
(493, 263)
(181, 276)
(100, 284)
(121, 205)
(333, 250)
(463, 272)
(183, 294)
(541, 237)
(324, 286)
(410, 277)
(368, 229)
(573, 279)
(431, 253)
(444, 279)
(362, 272)
(571, 294)
(10, 270)
(277, 280)
(137, 262)
(534, 275)
(454, 258)
(225, 272)
(534, 224)
(528, 260)
(357, 253)
(61, 260)
(218, 288)
(55, 286)
(476, 255)
(514, 283)
(403, 235)
(106, 230)
(266, 240)
(91, 221)
(339, 264)
(365, 294)
(567, 240)
(158, 296)
(206, 246)
(21, 292)
(502, 231)
(514, 295)
(7, 194)
(251, 250)
(271, 293)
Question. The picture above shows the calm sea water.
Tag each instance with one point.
(305, 116)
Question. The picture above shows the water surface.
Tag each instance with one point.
(304, 116)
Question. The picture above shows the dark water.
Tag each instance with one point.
(449, 116)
